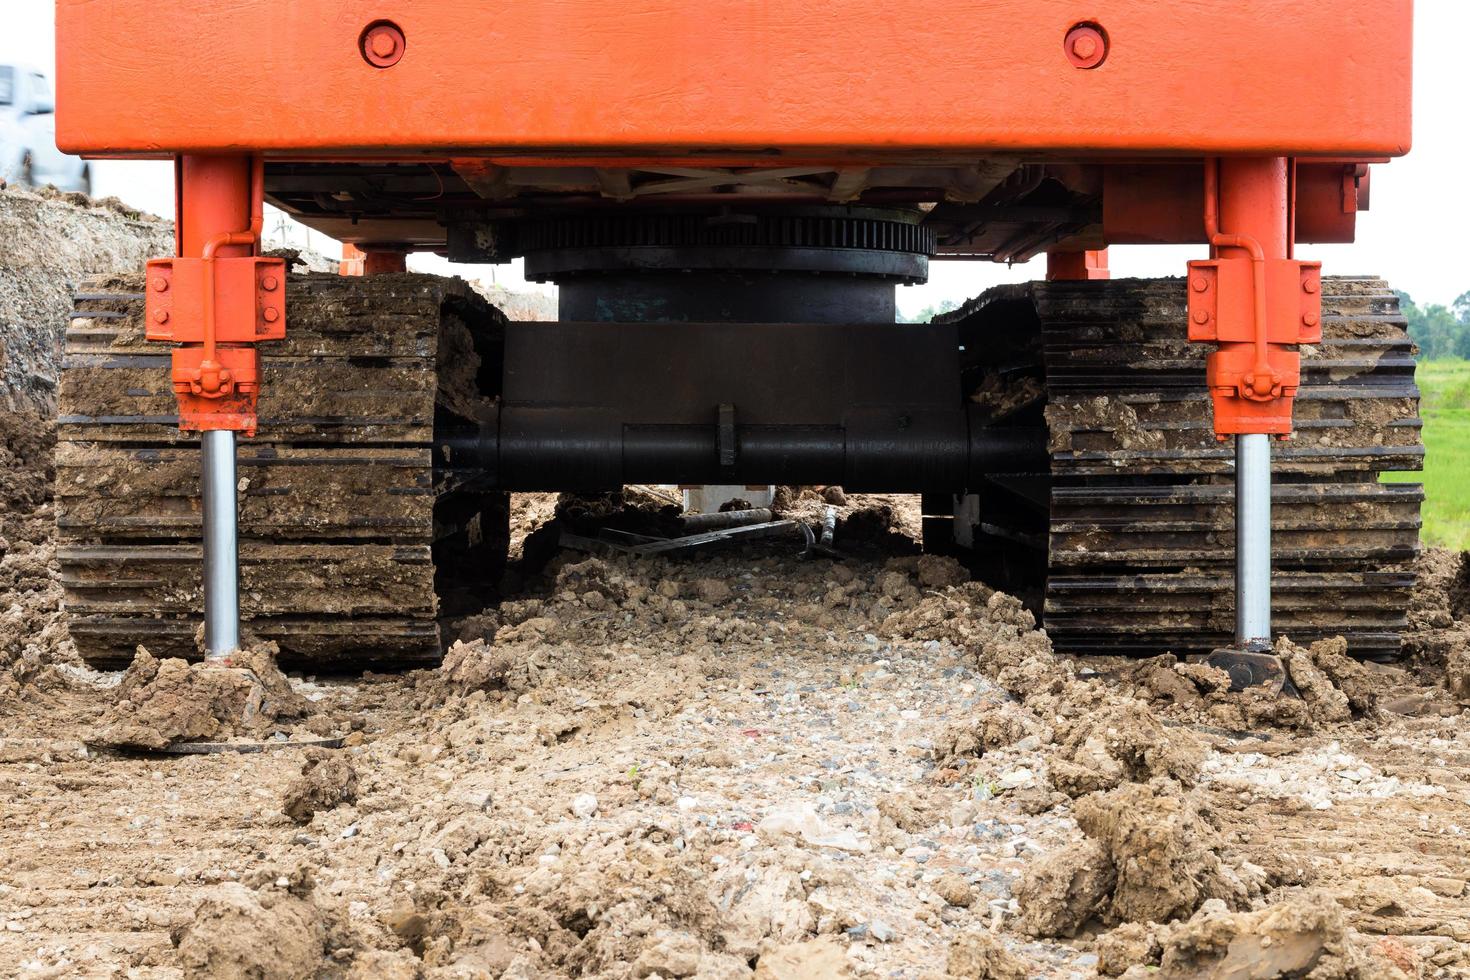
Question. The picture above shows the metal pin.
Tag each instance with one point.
(221, 558)
(1253, 541)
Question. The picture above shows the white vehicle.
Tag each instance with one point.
(28, 152)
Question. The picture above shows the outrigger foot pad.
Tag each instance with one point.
(1249, 669)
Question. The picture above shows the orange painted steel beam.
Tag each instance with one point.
(352, 260)
(647, 77)
(381, 262)
(358, 261)
(1090, 264)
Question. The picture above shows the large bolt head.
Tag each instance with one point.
(382, 44)
(1086, 46)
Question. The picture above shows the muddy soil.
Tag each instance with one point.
(735, 764)
(739, 764)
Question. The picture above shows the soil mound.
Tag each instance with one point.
(160, 702)
(49, 242)
(273, 932)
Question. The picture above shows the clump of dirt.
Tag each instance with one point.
(1438, 642)
(1166, 854)
(1151, 855)
(980, 955)
(1130, 944)
(269, 932)
(328, 780)
(1111, 739)
(995, 628)
(523, 652)
(1457, 673)
(476, 666)
(1304, 935)
(160, 702)
(1065, 889)
(26, 442)
(1331, 689)
(1102, 738)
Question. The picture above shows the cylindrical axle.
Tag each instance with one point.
(221, 552)
(591, 449)
(1253, 541)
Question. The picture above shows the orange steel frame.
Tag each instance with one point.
(847, 79)
(767, 84)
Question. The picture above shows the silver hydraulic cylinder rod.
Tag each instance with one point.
(1253, 541)
(221, 549)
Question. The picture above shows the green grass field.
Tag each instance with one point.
(1445, 408)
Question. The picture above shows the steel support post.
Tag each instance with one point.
(221, 550)
(1253, 541)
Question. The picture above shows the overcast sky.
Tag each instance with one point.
(1413, 235)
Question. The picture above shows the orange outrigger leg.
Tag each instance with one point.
(1255, 301)
(215, 300)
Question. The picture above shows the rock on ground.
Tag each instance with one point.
(1303, 936)
(817, 959)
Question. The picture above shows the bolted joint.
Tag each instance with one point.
(221, 395)
(215, 310)
(1255, 373)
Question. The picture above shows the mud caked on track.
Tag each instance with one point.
(740, 763)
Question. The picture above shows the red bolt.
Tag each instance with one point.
(268, 283)
(1201, 316)
(1200, 284)
(271, 314)
(160, 284)
(160, 316)
(382, 44)
(1310, 285)
(1310, 319)
(1086, 46)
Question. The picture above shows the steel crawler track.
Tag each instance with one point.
(1140, 528)
(340, 517)
(352, 548)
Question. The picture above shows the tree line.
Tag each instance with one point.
(1440, 331)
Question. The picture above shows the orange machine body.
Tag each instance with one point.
(853, 79)
(1018, 127)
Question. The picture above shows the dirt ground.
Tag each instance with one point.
(737, 764)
